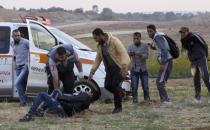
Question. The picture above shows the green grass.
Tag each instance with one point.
(182, 114)
(181, 67)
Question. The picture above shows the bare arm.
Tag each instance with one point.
(54, 72)
(79, 66)
(55, 81)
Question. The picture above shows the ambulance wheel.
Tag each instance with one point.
(84, 86)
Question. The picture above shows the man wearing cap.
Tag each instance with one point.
(60, 65)
(197, 53)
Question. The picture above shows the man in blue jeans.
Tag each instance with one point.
(50, 101)
(58, 104)
(20, 48)
(138, 52)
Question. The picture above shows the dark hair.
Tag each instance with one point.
(151, 26)
(98, 32)
(137, 34)
(15, 31)
(60, 51)
(184, 29)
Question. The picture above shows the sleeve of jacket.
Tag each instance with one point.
(145, 53)
(97, 62)
(125, 59)
(81, 98)
(161, 43)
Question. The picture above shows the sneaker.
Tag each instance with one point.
(117, 110)
(135, 100)
(22, 104)
(196, 101)
(26, 118)
(167, 102)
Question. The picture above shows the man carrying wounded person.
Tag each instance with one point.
(56, 103)
(60, 66)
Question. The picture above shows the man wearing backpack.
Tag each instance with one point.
(197, 54)
(164, 58)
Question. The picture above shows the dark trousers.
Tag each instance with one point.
(144, 82)
(67, 78)
(113, 83)
(161, 81)
(198, 69)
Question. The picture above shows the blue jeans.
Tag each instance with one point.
(49, 102)
(144, 82)
(21, 82)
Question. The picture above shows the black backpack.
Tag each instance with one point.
(174, 49)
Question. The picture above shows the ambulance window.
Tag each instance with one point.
(4, 40)
(41, 37)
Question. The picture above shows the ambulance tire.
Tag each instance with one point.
(85, 86)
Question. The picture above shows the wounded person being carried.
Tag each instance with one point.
(59, 104)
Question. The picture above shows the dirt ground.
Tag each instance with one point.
(152, 115)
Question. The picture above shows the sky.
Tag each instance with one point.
(119, 6)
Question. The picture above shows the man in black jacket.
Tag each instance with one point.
(197, 53)
(58, 104)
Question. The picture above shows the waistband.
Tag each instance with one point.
(18, 66)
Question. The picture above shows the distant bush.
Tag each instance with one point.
(79, 10)
(22, 9)
(181, 67)
(55, 9)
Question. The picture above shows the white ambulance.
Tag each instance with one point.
(41, 39)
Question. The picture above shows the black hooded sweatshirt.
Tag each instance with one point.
(196, 47)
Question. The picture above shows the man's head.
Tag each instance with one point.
(137, 38)
(184, 31)
(99, 35)
(151, 30)
(61, 54)
(16, 36)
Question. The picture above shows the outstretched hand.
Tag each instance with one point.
(90, 76)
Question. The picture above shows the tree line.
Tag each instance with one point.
(108, 13)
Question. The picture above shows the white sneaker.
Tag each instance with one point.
(196, 101)
(167, 103)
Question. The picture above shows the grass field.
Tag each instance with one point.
(182, 114)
